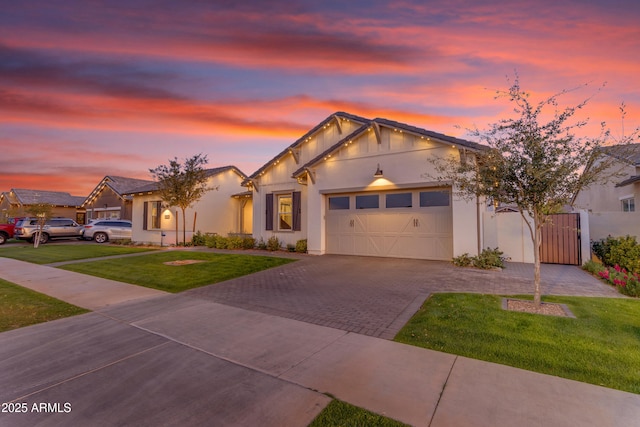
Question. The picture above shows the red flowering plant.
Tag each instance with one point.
(627, 283)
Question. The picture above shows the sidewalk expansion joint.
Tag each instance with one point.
(444, 386)
(90, 371)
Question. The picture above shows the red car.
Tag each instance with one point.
(7, 230)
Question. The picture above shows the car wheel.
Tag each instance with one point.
(3, 239)
(100, 237)
(44, 238)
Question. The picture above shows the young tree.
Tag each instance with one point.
(533, 161)
(182, 184)
(43, 212)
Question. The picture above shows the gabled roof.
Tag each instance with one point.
(334, 117)
(396, 126)
(119, 184)
(152, 186)
(629, 153)
(55, 198)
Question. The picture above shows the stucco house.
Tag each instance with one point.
(108, 200)
(611, 206)
(358, 186)
(225, 209)
(17, 201)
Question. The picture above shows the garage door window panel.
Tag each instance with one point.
(369, 201)
(339, 203)
(398, 200)
(434, 198)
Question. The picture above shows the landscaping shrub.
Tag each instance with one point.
(464, 260)
(488, 258)
(593, 267)
(626, 282)
(301, 246)
(234, 242)
(621, 251)
(273, 244)
(262, 245)
(198, 239)
(248, 243)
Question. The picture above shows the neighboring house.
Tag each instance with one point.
(612, 206)
(222, 210)
(108, 199)
(357, 186)
(16, 202)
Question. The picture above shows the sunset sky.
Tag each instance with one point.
(90, 88)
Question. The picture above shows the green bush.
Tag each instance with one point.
(488, 258)
(464, 260)
(273, 244)
(248, 243)
(234, 242)
(626, 282)
(622, 251)
(262, 245)
(198, 239)
(301, 246)
(593, 267)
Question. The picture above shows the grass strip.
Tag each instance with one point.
(601, 346)
(152, 272)
(23, 307)
(47, 254)
(339, 413)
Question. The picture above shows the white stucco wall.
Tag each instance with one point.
(508, 232)
(404, 159)
(217, 212)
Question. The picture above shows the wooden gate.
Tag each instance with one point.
(561, 240)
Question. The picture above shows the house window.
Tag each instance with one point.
(398, 200)
(338, 203)
(151, 218)
(434, 198)
(367, 202)
(628, 205)
(285, 212)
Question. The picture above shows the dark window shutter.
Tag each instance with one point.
(145, 215)
(297, 211)
(269, 212)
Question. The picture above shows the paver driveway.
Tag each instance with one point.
(377, 296)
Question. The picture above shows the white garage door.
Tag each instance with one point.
(403, 224)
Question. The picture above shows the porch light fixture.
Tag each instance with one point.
(378, 173)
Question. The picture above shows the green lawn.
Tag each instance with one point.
(150, 270)
(601, 346)
(46, 254)
(23, 307)
(338, 413)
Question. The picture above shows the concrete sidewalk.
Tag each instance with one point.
(162, 359)
(78, 289)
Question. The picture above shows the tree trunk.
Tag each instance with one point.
(184, 228)
(177, 216)
(537, 240)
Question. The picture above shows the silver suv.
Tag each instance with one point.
(108, 229)
(54, 228)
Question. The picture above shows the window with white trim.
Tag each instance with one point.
(628, 204)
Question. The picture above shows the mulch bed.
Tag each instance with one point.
(546, 308)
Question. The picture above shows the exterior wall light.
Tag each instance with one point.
(378, 173)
